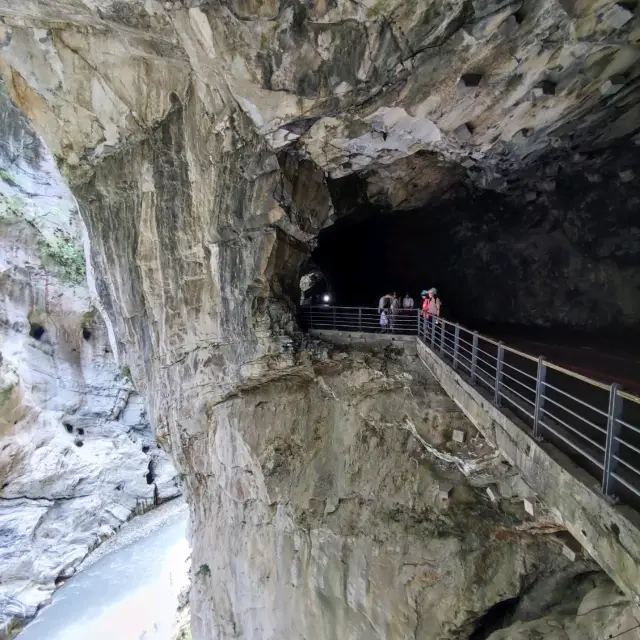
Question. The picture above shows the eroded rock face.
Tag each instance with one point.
(77, 454)
(204, 141)
(326, 518)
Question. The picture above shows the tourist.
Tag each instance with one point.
(395, 309)
(385, 302)
(384, 321)
(433, 305)
(407, 302)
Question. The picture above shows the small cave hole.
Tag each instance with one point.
(145, 448)
(68, 427)
(120, 486)
(80, 431)
(150, 476)
(36, 330)
(520, 15)
(583, 532)
(79, 443)
(615, 529)
(86, 333)
(471, 79)
(496, 617)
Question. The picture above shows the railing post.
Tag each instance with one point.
(456, 346)
(418, 324)
(499, 360)
(432, 323)
(474, 356)
(443, 332)
(613, 431)
(334, 318)
(359, 318)
(539, 401)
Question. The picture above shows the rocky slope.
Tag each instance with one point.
(77, 454)
(208, 142)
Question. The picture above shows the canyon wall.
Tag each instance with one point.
(77, 453)
(203, 141)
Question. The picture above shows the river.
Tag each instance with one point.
(127, 589)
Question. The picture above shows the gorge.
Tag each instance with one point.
(212, 146)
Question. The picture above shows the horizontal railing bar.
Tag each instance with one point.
(626, 464)
(524, 373)
(577, 376)
(568, 395)
(577, 415)
(493, 366)
(629, 426)
(520, 407)
(625, 483)
(588, 456)
(486, 353)
(488, 382)
(628, 396)
(506, 386)
(568, 426)
(522, 384)
(628, 444)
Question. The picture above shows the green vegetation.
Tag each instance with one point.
(8, 176)
(125, 372)
(376, 9)
(203, 571)
(62, 248)
(12, 208)
(5, 393)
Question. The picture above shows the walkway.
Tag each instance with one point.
(576, 440)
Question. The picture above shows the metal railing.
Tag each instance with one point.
(404, 322)
(595, 424)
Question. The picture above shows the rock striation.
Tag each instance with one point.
(208, 142)
(77, 454)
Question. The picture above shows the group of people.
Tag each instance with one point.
(390, 307)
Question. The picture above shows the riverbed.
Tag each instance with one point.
(127, 589)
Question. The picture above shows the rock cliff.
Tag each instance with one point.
(208, 142)
(77, 454)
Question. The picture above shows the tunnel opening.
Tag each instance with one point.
(546, 257)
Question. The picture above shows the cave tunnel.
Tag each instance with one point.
(555, 252)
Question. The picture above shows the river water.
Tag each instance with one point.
(128, 589)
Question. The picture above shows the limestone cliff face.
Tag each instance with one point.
(77, 454)
(204, 141)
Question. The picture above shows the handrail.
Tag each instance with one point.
(605, 417)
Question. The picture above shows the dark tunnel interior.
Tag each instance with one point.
(566, 259)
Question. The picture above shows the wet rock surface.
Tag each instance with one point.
(76, 446)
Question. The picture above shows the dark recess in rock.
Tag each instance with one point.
(36, 330)
(80, 431)
(497, 617)
(150, 474)
(145, 448)
(79, 443)
(86, 333)
(68, 427)
(470, 79)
